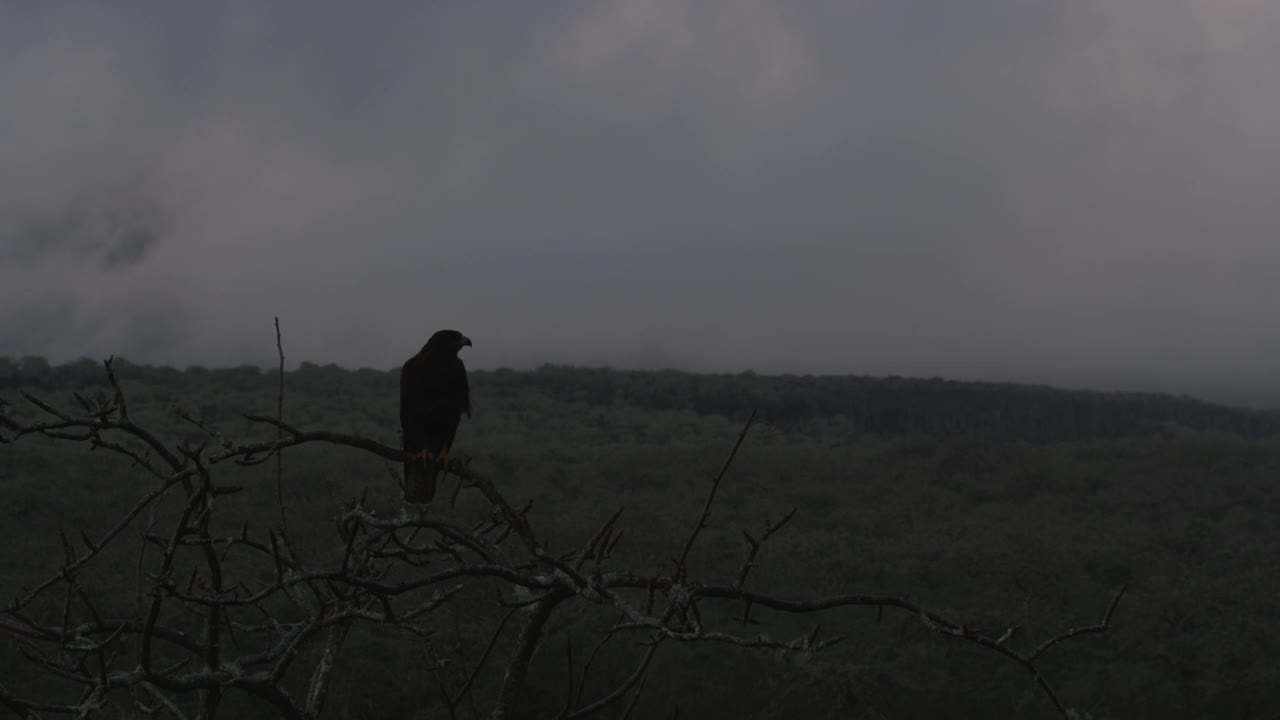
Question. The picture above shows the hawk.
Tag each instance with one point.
(433, 396)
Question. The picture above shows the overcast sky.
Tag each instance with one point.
(1082, 193)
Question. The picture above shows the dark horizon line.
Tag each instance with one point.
(937, 379)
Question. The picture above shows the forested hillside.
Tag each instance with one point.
(812, 404)
(994, 503)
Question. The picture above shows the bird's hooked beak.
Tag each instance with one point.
(464, 341)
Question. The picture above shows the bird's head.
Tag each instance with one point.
(448, 341)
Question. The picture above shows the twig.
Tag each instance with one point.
(284, 519)
(769, 530)
(488, 650)
(1073, 632)
(622, 689)
(711, 496)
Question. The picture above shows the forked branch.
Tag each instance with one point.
(266, 617)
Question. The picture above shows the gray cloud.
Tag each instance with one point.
(1075, 193)
(116, 236)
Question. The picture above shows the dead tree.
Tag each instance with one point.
(202, 627)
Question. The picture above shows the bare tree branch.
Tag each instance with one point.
(518, 667)
(284, 515)
(711, 496)
(208, 621)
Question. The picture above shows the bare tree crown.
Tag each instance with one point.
(249, 613)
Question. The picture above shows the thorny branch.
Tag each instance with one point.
(263, 612)
(284, 516)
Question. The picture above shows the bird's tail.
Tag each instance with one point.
(420, 479)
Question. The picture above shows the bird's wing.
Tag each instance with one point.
(465, 389)
(414, 376)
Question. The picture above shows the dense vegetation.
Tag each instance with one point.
(993, 502)
(863, 405)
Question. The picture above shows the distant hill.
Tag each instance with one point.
(794, 403)
(909, 406)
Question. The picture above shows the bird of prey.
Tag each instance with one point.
(433, 396)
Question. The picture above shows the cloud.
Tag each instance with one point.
(114, 235)
(1077, 193)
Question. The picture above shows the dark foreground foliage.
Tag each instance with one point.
(985, 527)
